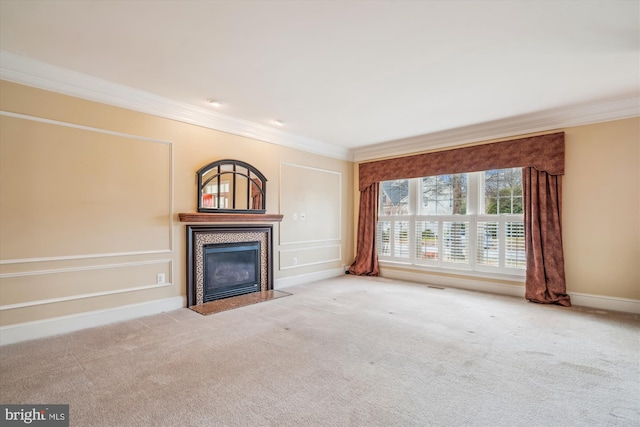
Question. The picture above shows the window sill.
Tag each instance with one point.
(471, 274)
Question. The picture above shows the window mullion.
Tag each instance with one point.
(440, 240)
(475, 207)
(502, 241)
(472, 236)
(474, 184)
(414, 210)
(414, 197)
(392, 239)
(412, 239)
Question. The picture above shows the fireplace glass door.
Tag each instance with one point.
(231, 269)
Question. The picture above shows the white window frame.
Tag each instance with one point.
(474, 214)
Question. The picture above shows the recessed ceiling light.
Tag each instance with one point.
(278, 122)
(214, 102)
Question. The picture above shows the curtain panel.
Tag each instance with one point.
(542, 156)
(545, 280)
(366, 262)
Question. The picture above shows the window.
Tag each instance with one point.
(471, 222)
(395, 197)
(503, 191)
(444, 195)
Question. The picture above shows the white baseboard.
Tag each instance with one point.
(579, 299)
(59, 325)
(605, 303)
(307, 278)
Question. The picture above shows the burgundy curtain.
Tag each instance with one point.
(545, 280)
(366, 262)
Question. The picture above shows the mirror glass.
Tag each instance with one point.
(256, 193)
(231, 186)
(242, 188)
(209, 196)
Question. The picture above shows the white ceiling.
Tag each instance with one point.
(345, 73)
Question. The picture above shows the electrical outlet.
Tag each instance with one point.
(295, 216)
(303, 216)
(160, 278)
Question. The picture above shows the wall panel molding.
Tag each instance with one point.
(146, 286)
(314, 214)
(302, 279)
(80, 296)
(82, 127)
(333, 253)
(78, 257)
(84, 268)
(101, 197)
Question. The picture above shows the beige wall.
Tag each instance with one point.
(90, 196)
(601, 209)
(601, 214)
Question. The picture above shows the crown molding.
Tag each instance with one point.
(37, 74)
(554, 119)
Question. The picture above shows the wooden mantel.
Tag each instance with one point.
(228, 217)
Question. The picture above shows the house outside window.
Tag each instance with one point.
(469, 222)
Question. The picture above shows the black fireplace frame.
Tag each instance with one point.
(192, 231)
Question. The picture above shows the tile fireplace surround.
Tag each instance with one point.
(200, 235)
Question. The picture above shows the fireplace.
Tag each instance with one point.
(228, 260)
(230, 269)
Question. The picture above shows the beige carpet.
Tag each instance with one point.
(349, 351)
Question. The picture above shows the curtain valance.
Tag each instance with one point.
(544, 153)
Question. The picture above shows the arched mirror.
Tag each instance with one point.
(231, 186)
